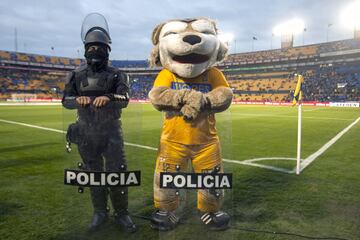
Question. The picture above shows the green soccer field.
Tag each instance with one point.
(323, 201)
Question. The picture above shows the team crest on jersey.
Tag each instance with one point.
(201, 87)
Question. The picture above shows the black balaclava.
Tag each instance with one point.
(97, 56)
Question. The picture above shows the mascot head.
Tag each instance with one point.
(187, 47)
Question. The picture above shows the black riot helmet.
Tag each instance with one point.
(95, 30)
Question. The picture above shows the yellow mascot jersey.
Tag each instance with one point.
(202, 130)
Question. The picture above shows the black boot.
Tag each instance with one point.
(98, 219)
(119, 200)
(99, 201)
(123, 219)
(216, 221)
(163, 220)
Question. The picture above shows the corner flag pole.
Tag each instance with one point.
(298, 155)
(297, 100)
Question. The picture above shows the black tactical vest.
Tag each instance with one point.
(95, 84)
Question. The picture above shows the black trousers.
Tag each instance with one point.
(101, 147)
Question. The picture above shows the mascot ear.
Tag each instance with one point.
(154, 59)
(156, 33)
(223, 49)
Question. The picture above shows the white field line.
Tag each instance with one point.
(310, 110)
(248, 162)
(327, 145)
(247, 115)
(32, 126)
(64, 132)
(31, 104)
(141, 146)
(268, 158)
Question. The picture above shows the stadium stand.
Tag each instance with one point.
(42, 83)
(18, 58)
(333, 83)
(140, 86)
(331, 70)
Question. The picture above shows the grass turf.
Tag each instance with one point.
(323, 201)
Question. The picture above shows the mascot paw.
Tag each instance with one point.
(194, 101)
(189, 112)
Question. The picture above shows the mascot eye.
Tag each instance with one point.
(169, 33)
(208, 32)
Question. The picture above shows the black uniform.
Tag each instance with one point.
(97, 131)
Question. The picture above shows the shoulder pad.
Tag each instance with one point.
(121, 75)
(111, 69)
(117, 73)
(81, 68)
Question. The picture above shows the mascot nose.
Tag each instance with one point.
(192, 39)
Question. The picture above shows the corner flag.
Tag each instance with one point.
(298, 89)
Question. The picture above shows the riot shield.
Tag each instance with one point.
(102, 146)
(191, 221)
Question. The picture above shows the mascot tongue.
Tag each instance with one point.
(193, 58)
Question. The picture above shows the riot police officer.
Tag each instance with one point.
(99, 92)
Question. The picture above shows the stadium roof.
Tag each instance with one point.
(42, 27)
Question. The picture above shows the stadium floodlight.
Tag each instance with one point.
(350, 16)
(291, 27)
(226, 38)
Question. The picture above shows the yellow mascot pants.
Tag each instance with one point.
(204, 158)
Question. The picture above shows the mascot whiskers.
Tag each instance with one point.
(190, 90)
